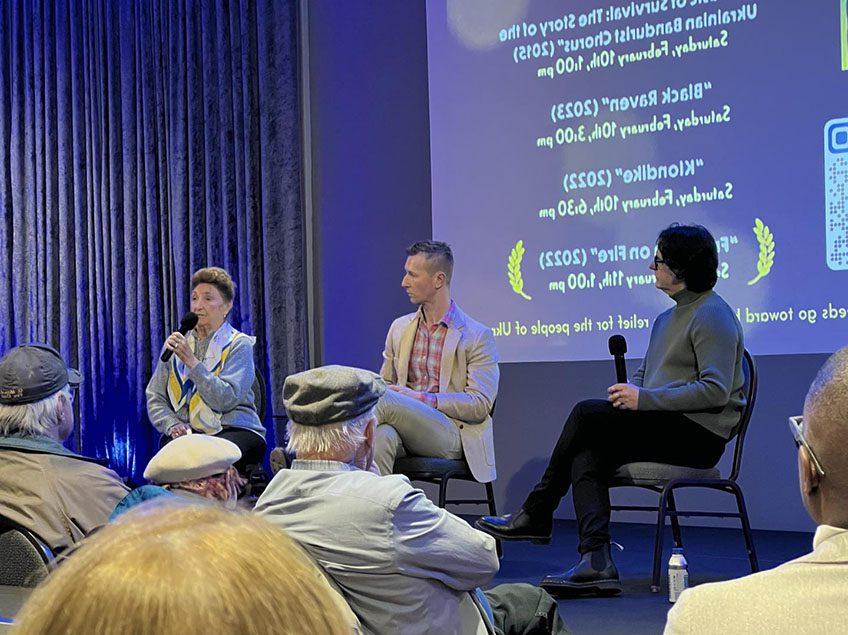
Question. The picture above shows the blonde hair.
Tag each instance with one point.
(218, 278)
(31, 419)
(337, 439)
(175, 569)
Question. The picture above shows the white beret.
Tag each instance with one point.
(190, 457)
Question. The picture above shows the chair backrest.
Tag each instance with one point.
(26, 558)
(750, 388)
(259, 394)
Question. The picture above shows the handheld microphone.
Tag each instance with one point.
(617, 348)
(188, 322)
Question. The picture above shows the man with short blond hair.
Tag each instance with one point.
(441, 368)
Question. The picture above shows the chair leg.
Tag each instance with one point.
(658, 541)
(675, 523)
(493, 511)
(746, 528)
(443, 490)
(490, 495)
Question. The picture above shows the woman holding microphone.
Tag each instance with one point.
(206, 386)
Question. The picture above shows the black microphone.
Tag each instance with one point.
(188, 322)
(617, 348)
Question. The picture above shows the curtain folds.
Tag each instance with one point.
(139, 141)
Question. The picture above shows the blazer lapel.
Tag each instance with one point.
(448, 355)
(452, 338)
(407, 337)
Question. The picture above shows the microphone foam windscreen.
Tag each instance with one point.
(617, 345)
(189, 321)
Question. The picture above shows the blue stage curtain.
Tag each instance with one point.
(139, 141)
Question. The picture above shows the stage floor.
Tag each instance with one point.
(712, 553)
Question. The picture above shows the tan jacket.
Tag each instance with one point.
(806, 595)
(468, 382)
(57, 495)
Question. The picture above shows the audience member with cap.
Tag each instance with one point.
(403, 564)
(808, 594)
(197, 467)
(58, 495)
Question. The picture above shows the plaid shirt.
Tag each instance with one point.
(425, 361)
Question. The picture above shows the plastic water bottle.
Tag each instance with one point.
(678, 574)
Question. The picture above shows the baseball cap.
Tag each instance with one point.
(32, 372)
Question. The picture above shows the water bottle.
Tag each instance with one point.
(678, 574)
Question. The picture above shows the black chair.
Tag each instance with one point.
(259, 393)
(440, 472)
(664, 479)
(257, 478)
(279, 458)
(26, 559)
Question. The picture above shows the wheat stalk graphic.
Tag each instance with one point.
(765, 261)
(513, 269)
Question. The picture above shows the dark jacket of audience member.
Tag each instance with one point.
(57, 494)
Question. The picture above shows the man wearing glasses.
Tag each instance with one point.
(809, 594)
(56, 494)
(680, 407)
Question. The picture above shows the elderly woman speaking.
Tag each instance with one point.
(206, 387)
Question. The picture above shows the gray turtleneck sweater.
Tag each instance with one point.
(694, 363)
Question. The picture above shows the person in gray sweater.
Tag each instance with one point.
(207, 386)
(680, 407)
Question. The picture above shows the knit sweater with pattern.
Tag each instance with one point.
(230, 392)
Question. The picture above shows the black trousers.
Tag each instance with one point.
(595, 441)
(252, 445)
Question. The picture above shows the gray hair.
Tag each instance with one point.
(336, 439)
(32, 419)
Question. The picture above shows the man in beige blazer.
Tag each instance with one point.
(808, 594)
(442, 371)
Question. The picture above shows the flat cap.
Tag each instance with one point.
(330, 394)
(191, 457)
(32, 372)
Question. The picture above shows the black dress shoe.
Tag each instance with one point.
(518, 526)
(595, 574)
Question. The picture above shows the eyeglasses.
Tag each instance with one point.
(796, 426)
(657, 262)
